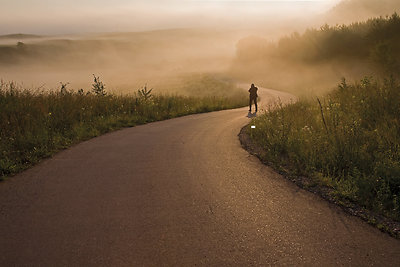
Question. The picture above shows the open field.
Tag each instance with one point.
(162, 58)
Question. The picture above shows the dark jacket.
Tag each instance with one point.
(253, 92)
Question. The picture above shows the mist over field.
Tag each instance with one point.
(66, 17)
(348, 11)
(353, 40)
(166, 44)
(123, 60)
(131, 43)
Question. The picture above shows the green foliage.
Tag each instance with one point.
(350, 140)
(377, 38)
(322, 55)
(34, 125)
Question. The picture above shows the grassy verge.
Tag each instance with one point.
(348, 141)
(35, 125)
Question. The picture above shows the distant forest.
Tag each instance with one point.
(371, 47)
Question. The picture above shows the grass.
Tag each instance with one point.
(36, 124)
(348, 140)
(216, 85)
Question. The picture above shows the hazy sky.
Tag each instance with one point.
(62, 16)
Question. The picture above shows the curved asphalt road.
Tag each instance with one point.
(180, 192)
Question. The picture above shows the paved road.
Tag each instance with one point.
(179, 192)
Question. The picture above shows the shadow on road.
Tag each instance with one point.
(251, 115)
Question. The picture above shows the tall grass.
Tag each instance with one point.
(348, 140)
(34, 125)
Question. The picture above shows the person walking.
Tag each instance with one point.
(253, 96)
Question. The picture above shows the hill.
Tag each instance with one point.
(20, 36)
(125, 60)
(354, 10)
(318, 58)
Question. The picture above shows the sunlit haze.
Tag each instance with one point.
(65, 17)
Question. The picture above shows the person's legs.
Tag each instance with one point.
(250, 104)
(255, 103)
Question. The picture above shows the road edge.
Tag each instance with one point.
(384, 224)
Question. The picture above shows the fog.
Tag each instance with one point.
(358, 10)
(124, 61)
(159, 43)
(66, 17)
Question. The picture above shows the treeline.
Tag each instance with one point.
(331, 52)
(377, 39)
